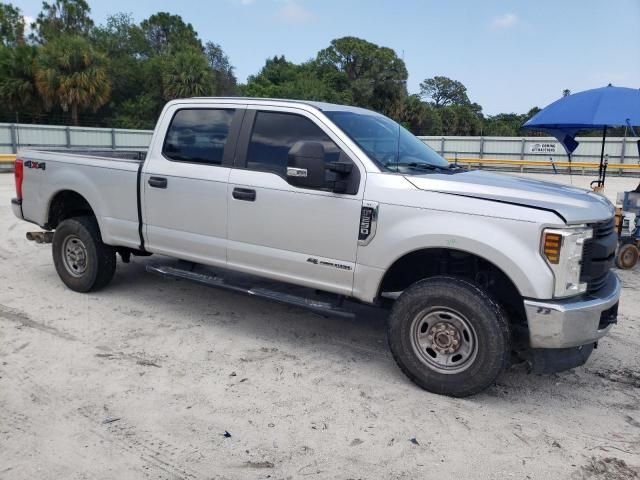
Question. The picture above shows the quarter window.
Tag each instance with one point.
(198, 135)
(275, 133)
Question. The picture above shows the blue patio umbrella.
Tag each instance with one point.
(595, 109)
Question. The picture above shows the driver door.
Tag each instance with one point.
(277, 230)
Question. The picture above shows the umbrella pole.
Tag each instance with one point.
(604, 137)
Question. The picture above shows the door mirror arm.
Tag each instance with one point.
(340, 167)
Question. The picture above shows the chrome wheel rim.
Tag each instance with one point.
(444, 340)
(74, 256)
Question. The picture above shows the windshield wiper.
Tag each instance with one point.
(420, 166)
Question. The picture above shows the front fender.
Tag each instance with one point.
(510, 245)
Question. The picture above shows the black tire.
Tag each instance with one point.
(94, 267)
(627, 256)
(466, 319)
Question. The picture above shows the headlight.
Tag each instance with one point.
(562, 249)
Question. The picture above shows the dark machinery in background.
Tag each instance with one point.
(628, 224)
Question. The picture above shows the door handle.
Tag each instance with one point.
(158, 182)
(246, 194)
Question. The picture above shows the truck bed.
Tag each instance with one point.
(107, 179)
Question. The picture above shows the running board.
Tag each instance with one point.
(317, 306)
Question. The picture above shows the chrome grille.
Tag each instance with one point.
(598, 255)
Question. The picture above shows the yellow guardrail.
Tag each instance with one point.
(541, 163)
(7, 158)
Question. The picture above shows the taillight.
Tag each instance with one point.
(18, 171)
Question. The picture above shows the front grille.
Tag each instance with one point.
(603, 229)
(598, 255)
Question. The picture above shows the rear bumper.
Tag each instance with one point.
(575, 321)
(16, 206)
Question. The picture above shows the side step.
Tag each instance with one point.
(210, 279)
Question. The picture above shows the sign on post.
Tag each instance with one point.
(542, 147)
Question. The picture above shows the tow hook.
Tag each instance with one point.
(40, 237)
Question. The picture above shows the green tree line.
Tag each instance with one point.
(63, 68)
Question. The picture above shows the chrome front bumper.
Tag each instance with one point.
(574, 321)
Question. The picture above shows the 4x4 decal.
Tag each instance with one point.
(38, 165)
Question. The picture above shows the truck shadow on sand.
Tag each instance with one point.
(362, 338)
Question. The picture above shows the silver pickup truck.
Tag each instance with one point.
(313, 204)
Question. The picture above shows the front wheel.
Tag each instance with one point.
(448, 336)
(82, 261)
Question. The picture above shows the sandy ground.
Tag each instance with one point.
(143, 379)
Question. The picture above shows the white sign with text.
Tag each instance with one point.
(542, 147)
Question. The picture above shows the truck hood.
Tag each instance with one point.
(574, 205)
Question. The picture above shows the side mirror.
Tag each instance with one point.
(306, 167)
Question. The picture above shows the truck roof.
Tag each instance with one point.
(322, 106)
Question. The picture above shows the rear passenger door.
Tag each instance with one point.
(185, 182)
(301, 235)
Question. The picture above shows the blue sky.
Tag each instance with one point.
(511, 54)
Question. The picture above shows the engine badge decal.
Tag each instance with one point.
(326, 263)
(368, 222)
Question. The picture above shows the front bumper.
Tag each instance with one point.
(574, 321)
(16, 206)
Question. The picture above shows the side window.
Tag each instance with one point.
(198, 135)
(275, 133)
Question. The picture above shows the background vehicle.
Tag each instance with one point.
(311, 197)
(628, 223)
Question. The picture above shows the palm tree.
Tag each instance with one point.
(187, 74)
(71, 74)
(17, 89)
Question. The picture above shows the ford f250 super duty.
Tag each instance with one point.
(310, 204)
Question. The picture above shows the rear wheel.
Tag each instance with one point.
(627, 256)
(82, 261)
(449, 336)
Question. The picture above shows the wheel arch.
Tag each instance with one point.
(66, 204)
(437, 251)
(429, 262)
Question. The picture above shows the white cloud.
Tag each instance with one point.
(294, 14)
(501, 22)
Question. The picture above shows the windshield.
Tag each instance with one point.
(387, 143)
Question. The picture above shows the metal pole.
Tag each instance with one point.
(14, 138)
(623, 151)
(68, 135)
(522, 148)
(604, 169)
(113, 139)
(442, 146)
(481, 147)
(604, 137)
